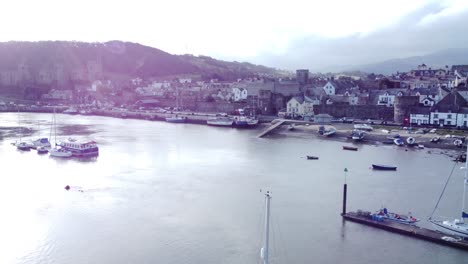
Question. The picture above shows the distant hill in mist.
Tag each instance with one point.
(113, 58)
(435, 60)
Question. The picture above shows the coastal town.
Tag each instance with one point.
(421, 97)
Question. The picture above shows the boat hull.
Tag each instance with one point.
(450, 228)
(350, 148)
(383, 167)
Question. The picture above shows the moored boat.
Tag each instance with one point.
(394, 217)
(458, 143)
(42, 150)
(435, 139)
(80, 148)
(411, 141)
(245, 122)
(398, 142)
(383, 167)
(40, 142)
(457, 227)
(59, 152)
(220, 121)
(364, 127)
(357, 135)
(350, 148)
(312, 158)
(327, 132)
(292, 127)
(176, 119)
(23, 146)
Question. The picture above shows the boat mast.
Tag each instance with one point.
(264, 252)
(465, 182)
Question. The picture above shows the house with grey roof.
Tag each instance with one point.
(448, 110)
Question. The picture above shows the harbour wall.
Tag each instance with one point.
(380, 112)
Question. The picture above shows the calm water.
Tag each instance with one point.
(176, 193)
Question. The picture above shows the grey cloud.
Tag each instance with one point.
(405, 39)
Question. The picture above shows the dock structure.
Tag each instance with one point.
(278, 123)
(409, 230)
(403, 229)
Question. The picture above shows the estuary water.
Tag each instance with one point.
(181, 193)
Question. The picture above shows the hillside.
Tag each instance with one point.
(435, 60)
(115, 58)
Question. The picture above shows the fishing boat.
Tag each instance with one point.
(457, 227)
(364, 127)
(435, 139)
(383, 167)
(350, 148)
(312, 158)
(176, 119)
(394, 217)
(245, 122)
(220, 121)
(398, 142)
(327, 132)
(80, 148)
(357, 135)
(411, 141)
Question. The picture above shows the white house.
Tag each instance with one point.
(462, 118)
(329, 88)
(420, 116)
(443, 118)
(446, 112)
(239, 94)
(300, 106)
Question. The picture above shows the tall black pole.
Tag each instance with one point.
(345, 189)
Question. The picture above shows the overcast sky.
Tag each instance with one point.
(285, 34)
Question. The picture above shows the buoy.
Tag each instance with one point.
(67, 187)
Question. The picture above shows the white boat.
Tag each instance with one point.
(60, 152)
(398, 142)
(176, 119)
(220, 121)
(328, 132)
(42, 150)
(411, 141)
(245, 122)
(394, 217)
(458, 143)
(292, 127)
(457, 227)
(357, 135)
(364, 127)
(71, 111)
(57, 151)
(40, 142)
(80, 148)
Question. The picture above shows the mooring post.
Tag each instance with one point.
(345, 189)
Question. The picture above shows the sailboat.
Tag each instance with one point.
(176, 118)
(21, 145)
(456, 226)
(264, 249)
(56, 151)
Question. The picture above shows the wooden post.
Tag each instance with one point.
(345, 187)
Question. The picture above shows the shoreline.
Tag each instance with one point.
(375, 137)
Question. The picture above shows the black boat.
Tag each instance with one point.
(383, 167)
(312, 158)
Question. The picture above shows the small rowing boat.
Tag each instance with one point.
(312, 158)
(383, 167)
(349, 148)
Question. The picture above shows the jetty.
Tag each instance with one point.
(403, 229)
(278, 123)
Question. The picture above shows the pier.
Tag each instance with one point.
(404, 229)
(279, 122)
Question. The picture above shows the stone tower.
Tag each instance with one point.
(402, 107)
